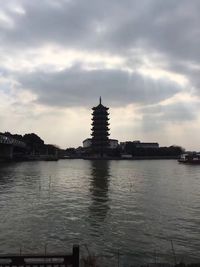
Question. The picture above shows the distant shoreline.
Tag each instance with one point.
(94, 158)
(119, 158)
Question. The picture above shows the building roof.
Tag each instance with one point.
(100, 106)
(87, 139)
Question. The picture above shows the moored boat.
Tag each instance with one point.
(190, 158)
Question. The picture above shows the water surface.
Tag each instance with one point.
(132, 207)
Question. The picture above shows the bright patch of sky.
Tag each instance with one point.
(142, 57)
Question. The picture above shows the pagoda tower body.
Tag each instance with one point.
(100, 130)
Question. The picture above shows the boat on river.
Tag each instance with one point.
(190, 158)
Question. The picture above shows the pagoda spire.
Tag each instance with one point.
(100, 100)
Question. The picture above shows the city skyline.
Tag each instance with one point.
(142, 57)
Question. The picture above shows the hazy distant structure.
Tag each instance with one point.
(100, 130)
(139, 144)
(113, 143)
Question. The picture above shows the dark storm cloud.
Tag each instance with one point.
(68, 23)
(76, 86)
(157, 118)
(168, 28)
(174, 112)
(190, 70)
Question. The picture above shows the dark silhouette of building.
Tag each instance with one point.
(100, 130)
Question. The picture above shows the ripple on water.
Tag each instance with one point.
(135, 207)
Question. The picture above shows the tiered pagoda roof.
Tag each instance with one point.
(100, 129)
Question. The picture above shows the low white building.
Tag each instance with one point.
(113, 143)
(87, 142)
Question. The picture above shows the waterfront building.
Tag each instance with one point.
(113, 143)
(100, 130)
(138, 144)
(87, 143)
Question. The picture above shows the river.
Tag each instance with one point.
(134, 208)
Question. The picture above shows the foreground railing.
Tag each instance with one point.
(47, 260)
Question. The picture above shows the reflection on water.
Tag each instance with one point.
(99, 186)
(6, 174)
(131, 206)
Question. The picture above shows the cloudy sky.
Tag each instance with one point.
(142, 56)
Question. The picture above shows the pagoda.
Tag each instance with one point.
(100, 130)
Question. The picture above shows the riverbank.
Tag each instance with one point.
(122, 158)
(52, 158)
